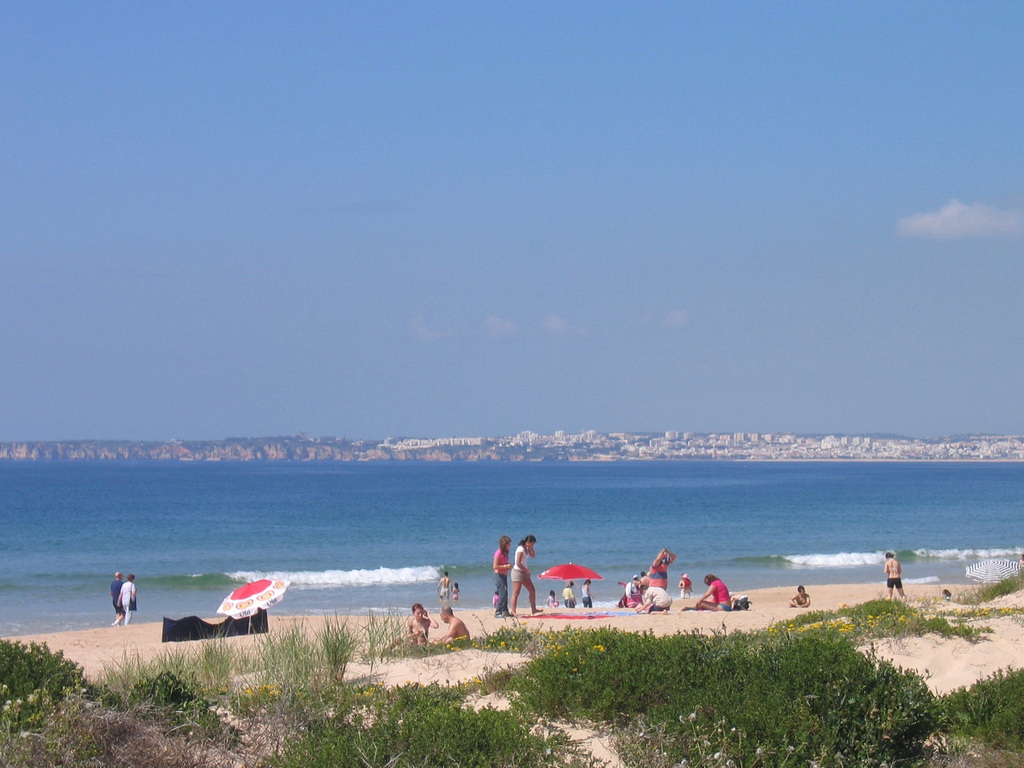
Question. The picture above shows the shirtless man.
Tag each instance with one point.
(444, 588)
(893, 575)
(419, 625)
(456, 626)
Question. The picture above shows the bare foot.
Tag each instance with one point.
(537, 610)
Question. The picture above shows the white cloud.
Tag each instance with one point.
(556, 325)
(499, 328)
(419, 328)
(956, 220)
(677, 318)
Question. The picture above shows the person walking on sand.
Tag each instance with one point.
(521, 574)
(128, 593)
(501, 566)
(893, 575)
(115, 596)
(444, 589)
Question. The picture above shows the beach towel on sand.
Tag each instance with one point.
(194, 628)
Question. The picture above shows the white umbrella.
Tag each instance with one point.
(993, 570)
(245, 601)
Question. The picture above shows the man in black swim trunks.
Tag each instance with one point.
(893, 575)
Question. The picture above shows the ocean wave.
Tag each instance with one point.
(191, 581)
(853, 559)
(967, 554)
(837, 560)
(337, 578)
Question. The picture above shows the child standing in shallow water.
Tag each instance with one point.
(552, 600)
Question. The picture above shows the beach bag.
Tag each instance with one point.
(742, 603)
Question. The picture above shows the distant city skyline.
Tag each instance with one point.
(589, 445)
(426, 219)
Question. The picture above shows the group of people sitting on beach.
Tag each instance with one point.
(647, 592)
(420, 623)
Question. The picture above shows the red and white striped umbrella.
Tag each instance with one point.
(245, 601)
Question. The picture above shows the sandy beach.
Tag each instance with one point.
(946, 663)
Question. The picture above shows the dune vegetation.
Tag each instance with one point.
(804, 692)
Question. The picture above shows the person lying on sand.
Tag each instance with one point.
(419, 625)
(456, 626)
(801, 599)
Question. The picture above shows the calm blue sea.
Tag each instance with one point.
(356, 537)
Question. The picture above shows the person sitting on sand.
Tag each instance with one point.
(716, 598)
(456, 626)
(656, 599)
(632, 596)
(801, 599)
(419, 625)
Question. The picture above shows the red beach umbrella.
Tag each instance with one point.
(569, 572)
(245, 601)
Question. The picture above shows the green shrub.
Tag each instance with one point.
(32, 679)
(425, 726)
(180, 699)
(876, 618)
(991, 710)
(810, 697)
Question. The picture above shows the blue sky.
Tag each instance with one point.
(419, 219)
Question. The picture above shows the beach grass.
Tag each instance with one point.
(985, 593)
